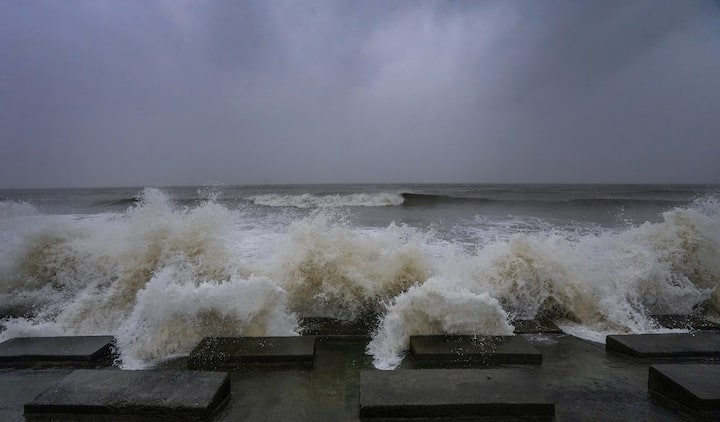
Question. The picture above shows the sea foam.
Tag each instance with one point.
(160, 277)
(333, 270)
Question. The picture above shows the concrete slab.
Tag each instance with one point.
(167, 394)
(228, 353)
(453, 393)
(585, 382)
(473, 350)
(535, 326)
(77, 352)
(671, 345)
(688, 322)
(19, 386)
(696, 386)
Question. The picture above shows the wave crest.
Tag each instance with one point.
(434, 308)
(328, 201)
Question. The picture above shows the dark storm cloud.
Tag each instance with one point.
(176, 92)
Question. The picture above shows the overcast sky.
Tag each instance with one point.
(147, 93)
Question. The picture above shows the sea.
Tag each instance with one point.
(162, 267)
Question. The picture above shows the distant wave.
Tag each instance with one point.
(626, 201)
(122, 202)
(328, 201)
(420, 199)
(10, 209)
(180, 202)
(411, 199)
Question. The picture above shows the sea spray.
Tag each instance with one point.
(50, 263)
(332, 270)
(159, 276)
(591, 284)
(172, 314)
(149, 237)
(91, 276)
(436, 307)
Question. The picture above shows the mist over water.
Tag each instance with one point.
(162, 268)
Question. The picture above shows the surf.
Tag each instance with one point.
(160, 275)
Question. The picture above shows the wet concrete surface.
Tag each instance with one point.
(687, 384)
(69, 351)
(585, 383)
(583, 380)
(118, 394)
(670, 345)
(588, 384)
(469, 351)
(19, 386)
(691, 322)
(232, 353)
(413, 393)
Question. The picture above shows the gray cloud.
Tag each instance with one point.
(180, 92)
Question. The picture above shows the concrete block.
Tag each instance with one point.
(76, 352)
(695, 386)
(498, 394)
(179, 395)
(19, 386)
(535, 326)
(688, 322)
(473, 350)
(671, 345)
(228, 353)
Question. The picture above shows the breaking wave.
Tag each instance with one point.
(328, 201)
(591, 285)
(332, 270)
(160, 277)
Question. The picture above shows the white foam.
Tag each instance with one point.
(439, 306)
(159, 277)
(594, 284)
(130, 275)
(328, 201)
(333, 270)
(172, 313)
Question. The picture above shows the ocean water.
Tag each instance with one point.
(160, 268)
